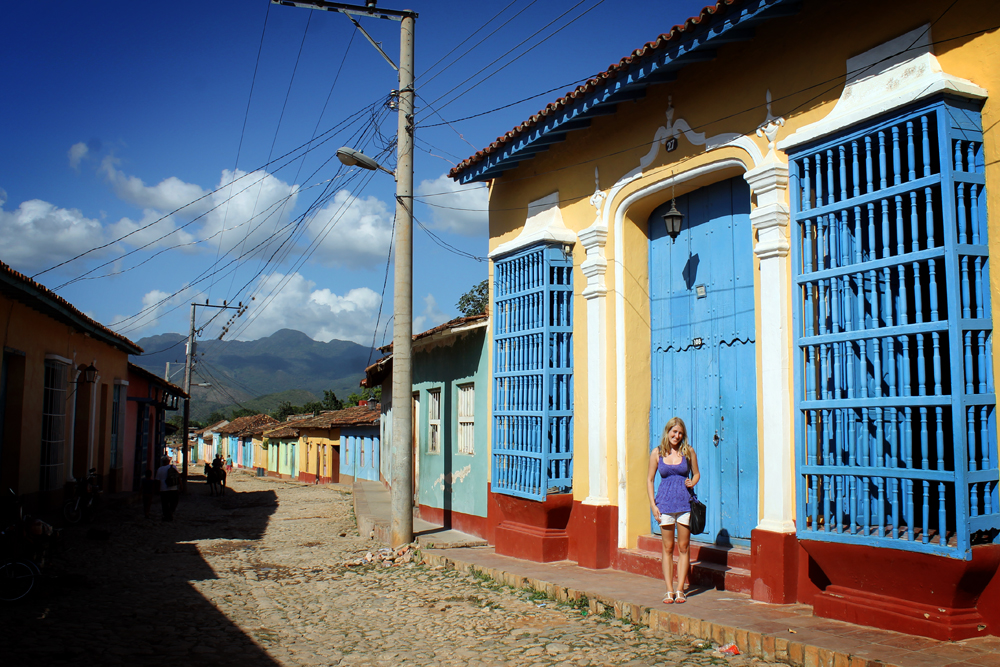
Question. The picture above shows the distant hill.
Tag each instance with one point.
(287, 365)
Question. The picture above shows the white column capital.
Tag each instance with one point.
(593, 239)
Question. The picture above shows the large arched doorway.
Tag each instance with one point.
(703, 355)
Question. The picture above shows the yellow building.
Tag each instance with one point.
(820, 316)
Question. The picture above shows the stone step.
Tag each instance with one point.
(721, 568)
(738, 557)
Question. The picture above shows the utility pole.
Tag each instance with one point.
(188, 368)
(401, 473)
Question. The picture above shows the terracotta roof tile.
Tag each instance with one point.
(613, 72)
(355, 415)
(283, 433)
(244, 425)
(157, 380)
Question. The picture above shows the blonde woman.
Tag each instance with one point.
(674, 460)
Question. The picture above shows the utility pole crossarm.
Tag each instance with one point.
(356, 10)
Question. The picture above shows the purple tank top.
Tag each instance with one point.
(673, 496)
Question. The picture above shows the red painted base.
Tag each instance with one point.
(593, 535)
(918, 594)
(773, 566)
(533, 530)
(451, 520)
(307, 477)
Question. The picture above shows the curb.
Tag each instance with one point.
(749, 642)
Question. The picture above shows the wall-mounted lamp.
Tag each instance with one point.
(88, 375)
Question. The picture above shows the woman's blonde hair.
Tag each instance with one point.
(685, 447)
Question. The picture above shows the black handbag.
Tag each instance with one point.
(696, 524)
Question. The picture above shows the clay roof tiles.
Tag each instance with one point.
(614, 71)
(246, 425)
(356, 415)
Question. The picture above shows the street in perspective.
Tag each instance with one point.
(275, 573)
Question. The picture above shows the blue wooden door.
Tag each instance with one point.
(703, 352)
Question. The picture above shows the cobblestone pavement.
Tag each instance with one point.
(258, 577)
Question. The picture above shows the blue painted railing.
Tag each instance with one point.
(895, 425)
(533, 373)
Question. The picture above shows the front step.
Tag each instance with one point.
(722, 568)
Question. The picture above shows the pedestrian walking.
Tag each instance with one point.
(229, 464)
(677, 464)
(170, 485)
(149, 487)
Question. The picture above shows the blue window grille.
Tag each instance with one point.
(895, 426)
(533, 373)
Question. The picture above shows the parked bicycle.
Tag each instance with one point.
(84, 502)
(24, 541)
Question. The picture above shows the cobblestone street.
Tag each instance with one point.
(258, 577)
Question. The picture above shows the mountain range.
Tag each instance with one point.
(258, 374)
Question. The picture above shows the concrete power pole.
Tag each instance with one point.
(401, 473)
(402, 327)
(188, 359)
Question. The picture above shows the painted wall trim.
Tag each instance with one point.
(889, 76)
(594, 267)
(544, 224)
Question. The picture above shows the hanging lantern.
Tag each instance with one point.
(673, 219)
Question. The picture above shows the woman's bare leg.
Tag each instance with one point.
(683, 555)
(667, 536)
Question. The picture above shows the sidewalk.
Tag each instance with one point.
(788, 633)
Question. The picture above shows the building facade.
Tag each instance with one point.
(821, 319)
(63, 384)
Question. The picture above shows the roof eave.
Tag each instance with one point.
(629, 84)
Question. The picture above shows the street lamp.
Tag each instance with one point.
(401, 474)
(353, 158)
(673, 219)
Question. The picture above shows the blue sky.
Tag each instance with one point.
(117, 114)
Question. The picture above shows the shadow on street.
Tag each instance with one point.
(119, 591)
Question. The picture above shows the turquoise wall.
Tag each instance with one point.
(450, 480)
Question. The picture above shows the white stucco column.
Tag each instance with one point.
(769, 182)
(594, 267)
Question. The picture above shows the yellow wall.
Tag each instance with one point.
(802, 61)
(321, 442)
(28, 331)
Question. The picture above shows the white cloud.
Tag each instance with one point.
(258, 205)
(166, 232)
(431, 317)
(358, 232)
(168, 195)
(77, 152)
(39, 234)
(456, 208)
(155, 304)
(319, 313)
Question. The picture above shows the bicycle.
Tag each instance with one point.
(84, 501)
(23, 540)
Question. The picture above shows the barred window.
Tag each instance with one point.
(433, 421)
(895, 402)
(533, 372)
(53, 424)
(466, 418)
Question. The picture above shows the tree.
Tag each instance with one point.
(330, 401)
(242, 412)
(285, 408)
(476, 301)
(216, 417)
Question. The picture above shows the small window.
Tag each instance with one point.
(433, 421)
(361, 444)
(466, 418)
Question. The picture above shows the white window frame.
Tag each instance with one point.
(467, 418)
(54, 423)
(434, 421)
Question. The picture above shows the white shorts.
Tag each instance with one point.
(669, 518)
